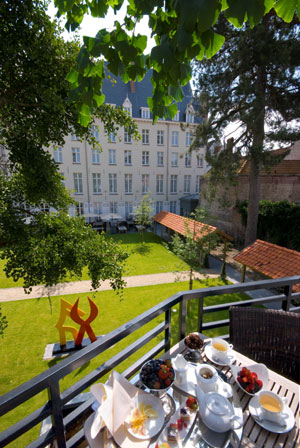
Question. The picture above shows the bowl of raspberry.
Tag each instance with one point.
(251, 379)
(157, 375)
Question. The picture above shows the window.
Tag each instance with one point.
(188, 139)
(95, 132)
(79, 209)
(160, 158)
(128, 183)
(188, 160)
(174, 159)
(127, 137)
(112, 183)
(96, 157)
(145, 136)
(76, 155)
(74, 137)
(198, 184)
(113, 207)
(112, 157)
(174, 138)
(200, 161)
(57, 154)
(97, 208)
(187, 184)
(176, 118)
(112, 137)
(159, 183)
(158, 206)
(160, 137)
(173, 206)
(78, 183)
(96, 183)
(145, 183)
(173, 186)
(145, 112)
(128, 209)
(127, 158)
(189, 117)
(145, 158)
(127, 109)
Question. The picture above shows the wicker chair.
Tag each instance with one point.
(268, 336)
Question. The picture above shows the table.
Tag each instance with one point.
(254, 436)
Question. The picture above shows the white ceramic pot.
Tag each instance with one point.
(217, 412)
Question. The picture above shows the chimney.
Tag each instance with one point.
(132, 86)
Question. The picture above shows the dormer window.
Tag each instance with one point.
(145, 112)
(176, 118)
(127, 106)
(190, 113)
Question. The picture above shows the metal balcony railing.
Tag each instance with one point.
(50, 380)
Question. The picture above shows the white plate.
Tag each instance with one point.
(227, 362)
(189, 386)
(152, 425)
(261, 371)
(288, 417)
(163, 438)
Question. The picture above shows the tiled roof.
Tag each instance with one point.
(116, 93)
(271, 260)
(180, 225)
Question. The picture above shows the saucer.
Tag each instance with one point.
(288, 417)
(228, 361)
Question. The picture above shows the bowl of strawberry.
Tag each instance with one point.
(251, 379)
(157, 375)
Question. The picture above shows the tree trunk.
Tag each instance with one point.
(191, 278)
(256, 156)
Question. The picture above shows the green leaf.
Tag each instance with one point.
(72, 76)
(239, 11)
(286, 9)
(140, 42)
(212, 43)
(84, 115)
(99, 99)
(172, 110)
(202, 12)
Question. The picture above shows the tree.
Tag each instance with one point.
(3, 323)
(252, 80)
(35, 112)
(191, 248)
(143, 214)
(181, 34)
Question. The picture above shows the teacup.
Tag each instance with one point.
(271, 405)
(220, 349)
(207, 377)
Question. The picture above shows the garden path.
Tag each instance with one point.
(10, 294)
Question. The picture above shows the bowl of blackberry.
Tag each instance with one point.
(157, 375)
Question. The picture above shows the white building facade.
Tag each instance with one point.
(115, 180)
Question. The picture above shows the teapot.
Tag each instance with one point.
(217, 412)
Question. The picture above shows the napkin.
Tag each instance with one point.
(116, 401)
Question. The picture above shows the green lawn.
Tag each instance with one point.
(31, 327)
(149, 258)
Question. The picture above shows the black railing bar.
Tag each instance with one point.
(43, 440)
(215, 324)
(128, 373)
(25, 391)
(73, 416)
(240, 287)
(35, 385)
(226, 306)
(106, 367)
(25, 424)
(76, 440)
(57, 414)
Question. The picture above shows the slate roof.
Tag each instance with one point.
(116, 93)
(180, 224)
(271, 260)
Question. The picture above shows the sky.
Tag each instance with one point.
(90, 25)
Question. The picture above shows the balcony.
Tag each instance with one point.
(50, 380)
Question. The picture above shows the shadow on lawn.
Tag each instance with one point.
(142, 249)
